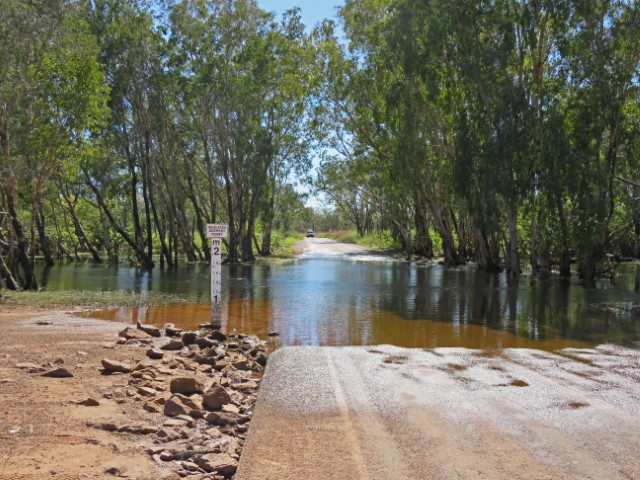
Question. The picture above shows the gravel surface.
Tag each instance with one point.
(326, 248)
(391, 413)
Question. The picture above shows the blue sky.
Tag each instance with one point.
(313, 11)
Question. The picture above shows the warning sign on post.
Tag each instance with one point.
(217, 230)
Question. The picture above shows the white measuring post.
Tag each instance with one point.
(216, 232)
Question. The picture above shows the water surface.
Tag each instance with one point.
(346, 302)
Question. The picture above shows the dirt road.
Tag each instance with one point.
(43, 429)
(326, 248)
(390, 413)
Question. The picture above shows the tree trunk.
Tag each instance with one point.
(108, 245)
(232, 249)
(211, 180)
(139, 250)
(247, 246)
(79, 229)
(133, 192)
(422, 245)
(266, 239)
(484, 257)
(268, 214)
(200, 222)
(146, 186)
(443, 226)
(535, 237)
(165, 251)
(6, 274)
(512, 262)
(565, 255)
(636, 223)
(21, 242)
(45, 241)
(184, 234)
(587, 269)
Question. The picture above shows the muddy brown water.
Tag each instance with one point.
(317, 301)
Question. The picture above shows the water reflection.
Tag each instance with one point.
(327, 302)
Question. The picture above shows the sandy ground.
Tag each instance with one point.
(387, 413)
(43, 432)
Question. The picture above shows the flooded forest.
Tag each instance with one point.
(503, 134)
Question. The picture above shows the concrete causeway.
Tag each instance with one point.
(388, 413)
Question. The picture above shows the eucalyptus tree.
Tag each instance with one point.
(213, 36)
(52, 101)
(388, 103)
(287, 71)
(347, 190)
(247, 82)
(603, 68)
(131, 51)
(492, 124)
(356, 176)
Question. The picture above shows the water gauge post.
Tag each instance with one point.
(216, 232)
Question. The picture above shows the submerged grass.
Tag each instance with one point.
(75, 298)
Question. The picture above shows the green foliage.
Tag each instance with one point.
(503, 127)
(498, 132)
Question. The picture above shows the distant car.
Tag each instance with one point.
(310, 233)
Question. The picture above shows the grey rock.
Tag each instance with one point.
(106, 426)
(204, 342)
(189, 338)
(155, 354)
(217, 335)
(219, 463)
(215, 398)
(191, 467)
(243, 387)
(220, 419)
(115, 471)
(149, 329)
(146, 391)
(182, 405)
(261, 359)
(30, 367)
(204, 360)
(111, 366)
(177, 422)
(172, 434)
(172, 331)
(173, 345)
(59, 372)
(166, 456)
(138, 429)
(155, 405)
(241, 365)
(133, 333)
(186, 385)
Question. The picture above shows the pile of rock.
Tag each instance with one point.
(202, 385)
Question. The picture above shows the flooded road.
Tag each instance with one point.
(387, 413)
(358, 299)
